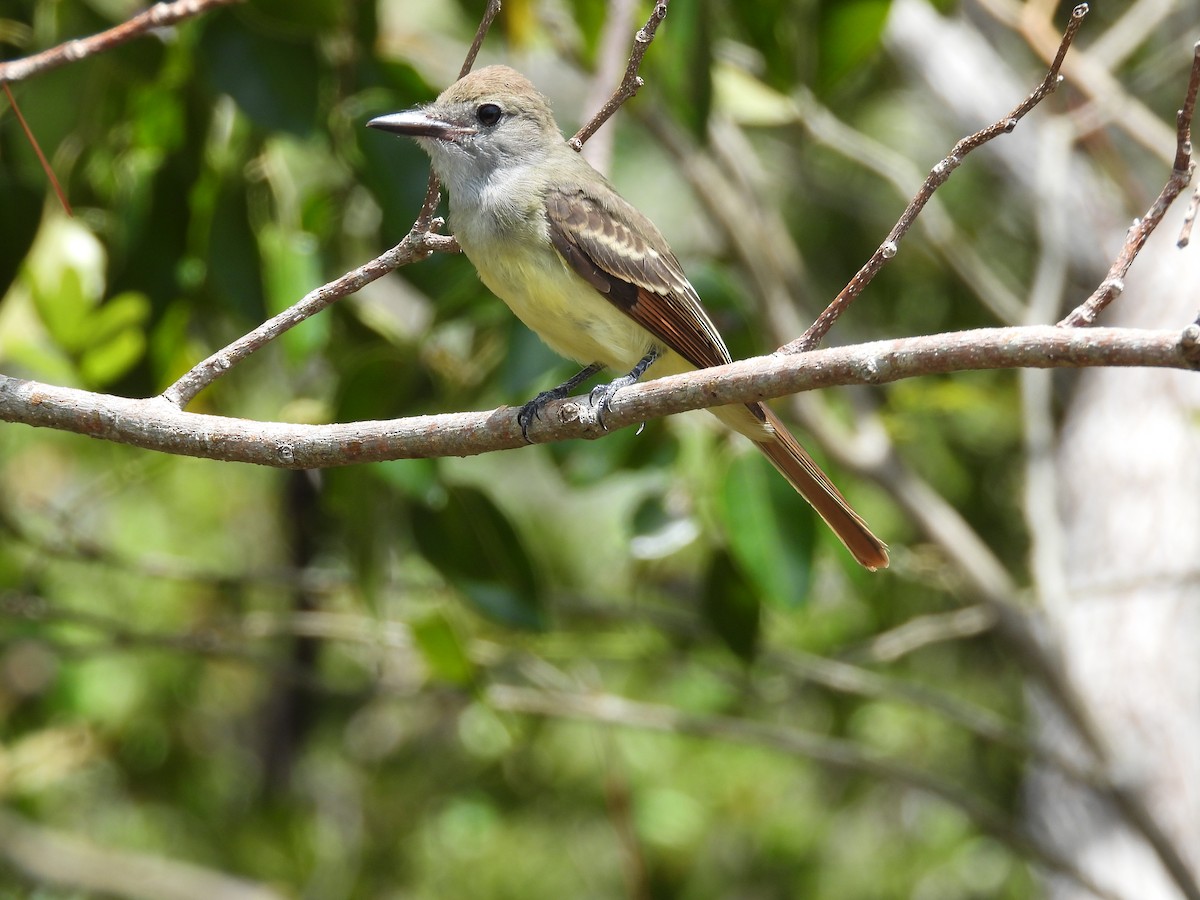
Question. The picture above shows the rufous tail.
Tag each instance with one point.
(794, 463)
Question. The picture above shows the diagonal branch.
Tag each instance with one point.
(425, 221)
(936, 178)
(1181, 175)
(417, 245)
(161, 15)
(631, 83)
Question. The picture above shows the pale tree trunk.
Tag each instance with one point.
(1124, 605)
(1114, 492)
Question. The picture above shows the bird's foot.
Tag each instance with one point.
(601, 395)
(533, 409)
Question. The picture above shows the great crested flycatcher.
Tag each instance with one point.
(592, 276)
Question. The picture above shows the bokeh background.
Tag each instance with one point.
(381, 681)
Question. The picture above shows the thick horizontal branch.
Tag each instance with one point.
(157, 424)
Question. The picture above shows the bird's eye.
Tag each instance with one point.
(488, 114)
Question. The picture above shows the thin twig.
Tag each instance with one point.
(485, 24)
(937, 177)
(160, 15)
(416, 246)
(631, 83)
(158, 424)
(1091, 78)
(37, 148)
(957, 625)
(1189, 219)
(611, 57)
(1141, 229)
(425, 221)
(940, 229)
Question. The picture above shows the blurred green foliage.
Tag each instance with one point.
(284, 676)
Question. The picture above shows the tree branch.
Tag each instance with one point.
(936, 178)
(158, 424)
(1181, 175)
(417, 245)
(161, 15)
(631, 83)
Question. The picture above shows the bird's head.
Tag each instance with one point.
(485, 121)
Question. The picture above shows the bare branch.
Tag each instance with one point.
(1090, 76)
(940, 229)
(37, 148)
(631, 83)
(1141, 229)
(1189, 219)
(485, 24)
(158, 424)
(416, 245)
(160, 15)
(936, 178)
(611, 58)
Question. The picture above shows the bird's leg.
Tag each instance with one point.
(533, 409)
(602, 394)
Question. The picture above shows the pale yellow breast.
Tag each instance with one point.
(566, 312)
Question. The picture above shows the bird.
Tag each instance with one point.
(584, 269)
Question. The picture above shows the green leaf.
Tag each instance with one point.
(104, 363)
(443, 650)
(125, 311)
(64, 310)
(851, 33)
(291, 270)
(731, 606)
(274, 81)
(475, 547)
(683, 65)
(771, 531)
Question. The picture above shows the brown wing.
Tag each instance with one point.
(617, 250)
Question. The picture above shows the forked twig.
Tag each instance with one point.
(631, 83)
(1141, 229)
(936, 178)
(415, 246)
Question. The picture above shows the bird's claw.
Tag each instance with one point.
(602, 394)
(533, 410)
